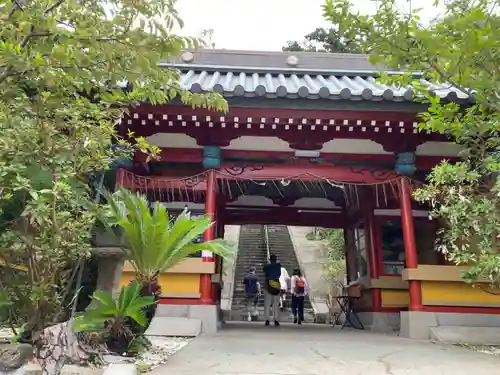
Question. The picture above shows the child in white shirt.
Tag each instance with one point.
(284, 278)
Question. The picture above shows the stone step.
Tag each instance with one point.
(240, 300)
(253, 252)
(285, 316)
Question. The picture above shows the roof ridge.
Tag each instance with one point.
(277, 70)
(258, 52)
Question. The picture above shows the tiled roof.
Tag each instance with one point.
(290, 83)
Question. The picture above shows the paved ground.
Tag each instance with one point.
(251, 349)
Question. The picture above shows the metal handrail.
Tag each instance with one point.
(266, 232)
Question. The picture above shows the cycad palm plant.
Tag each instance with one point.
(153, 242)
(114, 316)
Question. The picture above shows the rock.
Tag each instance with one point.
(32, 369)
(6, 335)
(60, 341)
(13, 356)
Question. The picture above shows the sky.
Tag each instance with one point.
(264, 25)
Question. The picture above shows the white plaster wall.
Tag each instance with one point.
(257, 201)
(310, 203)
(349, 146)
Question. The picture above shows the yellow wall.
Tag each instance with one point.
(448, 293)
(395, 298)
(394, 291)
(180, 281)
(182, 285)
(443, 286)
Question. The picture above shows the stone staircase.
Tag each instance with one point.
(280, 244)
(253, 253)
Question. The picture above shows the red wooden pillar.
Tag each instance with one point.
(120, 176)
(409, 242)
(216, 285)
(210, 208)
(373, 249)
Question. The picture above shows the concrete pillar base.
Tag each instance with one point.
(416, 324)
(431, 325)
(208, 314)
(109, 273)
(381, 322)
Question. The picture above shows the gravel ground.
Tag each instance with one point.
(162, 348)
(6, 334)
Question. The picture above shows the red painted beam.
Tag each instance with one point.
(281, 209)
(306, 173)
(305, 222)
(334, 174)
(195, 155)
(271, 214)
(391, 128)
(222, 134)
(256, 114)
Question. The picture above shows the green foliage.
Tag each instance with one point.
(112, 314)
(325, 40)
(63, 68)
(143, 367)
(153, 242)
(5, 305)
(460, 47)
(138, 345)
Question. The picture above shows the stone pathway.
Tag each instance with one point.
(252, 349)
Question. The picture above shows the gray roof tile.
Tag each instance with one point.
(310, 86)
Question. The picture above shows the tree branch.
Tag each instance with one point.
(469, 92)
(14, 9)
(8, 71)
(54, 6)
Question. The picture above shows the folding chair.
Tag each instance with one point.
(345, 301)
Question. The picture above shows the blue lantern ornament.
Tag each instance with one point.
(120, 163)
(405, 163)
(211, 157)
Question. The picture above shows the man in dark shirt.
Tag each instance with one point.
(272, 289)
(252, 292)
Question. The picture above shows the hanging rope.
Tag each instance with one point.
(186, 188)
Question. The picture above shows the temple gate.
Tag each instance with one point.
(318, 130)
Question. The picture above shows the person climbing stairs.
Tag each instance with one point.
(253, 252)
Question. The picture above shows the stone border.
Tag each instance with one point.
(229, 268)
